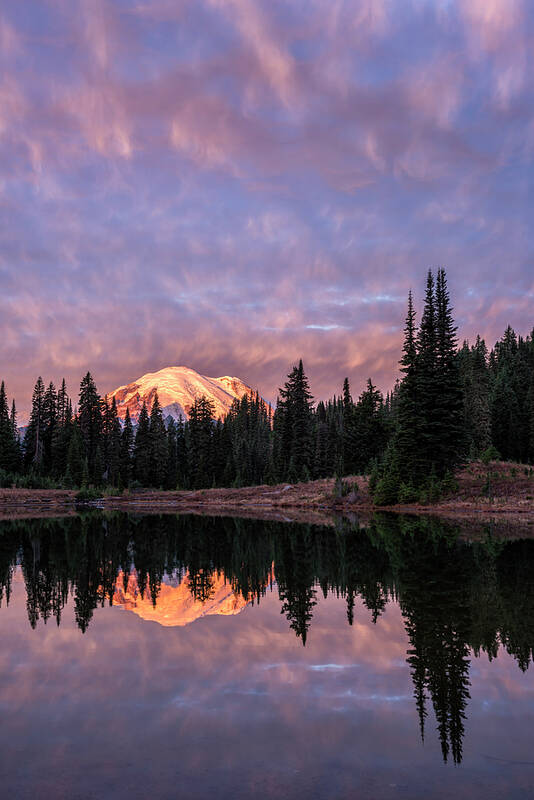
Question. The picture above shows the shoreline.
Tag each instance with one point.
(314, 502)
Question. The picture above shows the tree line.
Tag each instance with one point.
(451, 404)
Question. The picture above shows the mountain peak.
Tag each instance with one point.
(176, 606)
(177, 389)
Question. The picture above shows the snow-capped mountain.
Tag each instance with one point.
(176, 606)
(177, 388)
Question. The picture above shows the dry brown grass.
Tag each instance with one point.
(512, 498)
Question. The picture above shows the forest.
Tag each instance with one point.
(452, 404)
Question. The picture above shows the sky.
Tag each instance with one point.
(233, 184)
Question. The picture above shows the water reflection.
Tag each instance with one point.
(456, 599)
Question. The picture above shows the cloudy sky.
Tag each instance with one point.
(232, 184)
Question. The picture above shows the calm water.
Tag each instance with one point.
(170, 657)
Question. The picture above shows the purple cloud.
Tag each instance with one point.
(233, 184)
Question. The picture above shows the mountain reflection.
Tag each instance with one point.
(456, 598)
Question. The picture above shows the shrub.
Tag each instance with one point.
(491, 454)
(387, 491)
(112, 491)
(337, 491)
(449, 484)
(408, 494)
(87, 494)
(373, 477)
(9, 480)
(344, 488)
(434, 491)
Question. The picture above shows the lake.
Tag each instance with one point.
(181, 656)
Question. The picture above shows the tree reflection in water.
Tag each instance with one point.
(456, 597)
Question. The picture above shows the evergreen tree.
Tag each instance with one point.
(90, 422)
(126, 450)
(200, 443)
(62, 403)
(49, 426)
(171, 468)
(76, 461)
(111, 442)
(33, 438)
(449, 431)
(350, 438)
(182, 465)
(293, 422)
(158, 445)
(320, 469)
(406, 443)
(62, 434)
(142, 451)
(17, 452)
(9, 456)
(475, 379)
(369, 427)
(427, 380)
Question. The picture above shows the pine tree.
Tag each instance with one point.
(293, 422)
(142, 453)
(181, 454)
(171, 469)
(200, 443)
(33, 438)
(62, 434)
(427, 379)
(369, 427)
(126, 450)
(406, 443)
(111, 442)
(49, 425)
(9, 460)
(320, 469)
(448, 425)
(90, 422)
(75, 456)
(476, 394)
(97, 474)
(350, 437)
(17, 451)
(158, 445)
(62, 403)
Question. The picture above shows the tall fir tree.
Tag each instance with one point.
(171, 470)
(76, 462)
(427, 379)
(9, 456)
(448, 425)
(200, 429)
(406, 443)
(369, 428)
(49, 426)
(126, 450)
(111, 445)
(350, 438)
(90, 422)
(158, 445)
(33, 438)
(293, 422)
(142, 455)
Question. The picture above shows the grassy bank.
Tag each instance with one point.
(499, 489)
